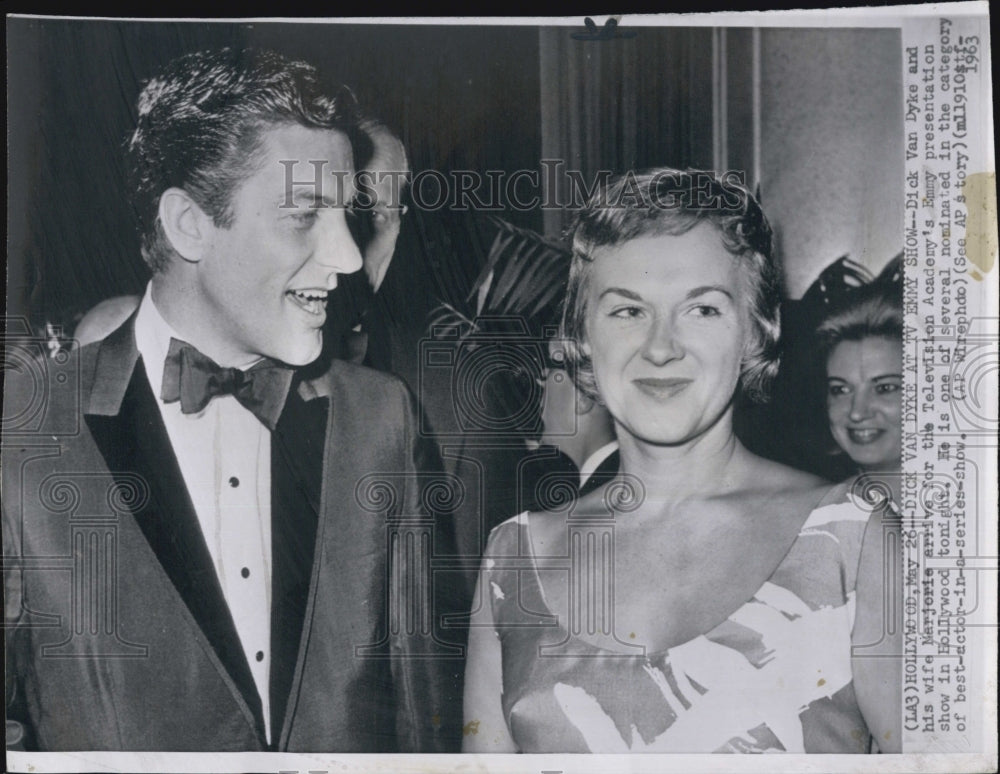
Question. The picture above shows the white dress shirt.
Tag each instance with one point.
(224, 454)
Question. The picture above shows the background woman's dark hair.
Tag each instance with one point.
(872, 313)
(669, 201)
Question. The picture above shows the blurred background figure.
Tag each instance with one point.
(863, 349)
(102, 319)
(569, 440)
(795, 426)
(577, 425)
(385, 184)
(545, 442)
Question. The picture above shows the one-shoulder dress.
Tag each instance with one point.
(773, 677)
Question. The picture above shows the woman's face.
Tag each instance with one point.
(863, 401)
(667, 326)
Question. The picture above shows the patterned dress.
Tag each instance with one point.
(775, 676)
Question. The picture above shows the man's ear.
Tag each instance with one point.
(584, 405)
(185, 224)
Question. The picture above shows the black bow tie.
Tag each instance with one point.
(194, 379)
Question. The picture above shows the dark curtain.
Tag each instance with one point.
(624, 103)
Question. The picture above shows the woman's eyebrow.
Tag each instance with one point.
(693, 293)
(703, 289)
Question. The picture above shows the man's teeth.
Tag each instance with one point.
(864, 436)
(312, 301)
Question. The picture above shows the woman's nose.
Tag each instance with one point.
(860, 405)
(661, 344)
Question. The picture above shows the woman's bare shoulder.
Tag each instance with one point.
(781, 488)
(777, 477)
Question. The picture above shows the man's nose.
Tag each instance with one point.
(335, 246)
(661, 345)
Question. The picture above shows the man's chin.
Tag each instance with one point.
(302, 354)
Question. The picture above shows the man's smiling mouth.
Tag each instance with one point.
(310, 300)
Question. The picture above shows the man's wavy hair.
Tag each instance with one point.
(201, 124)
(666, 201)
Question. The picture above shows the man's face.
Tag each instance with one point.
(263, 282)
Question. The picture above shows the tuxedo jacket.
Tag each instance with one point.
(118, 636)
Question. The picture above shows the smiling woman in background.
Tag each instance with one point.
(864, 370)
(706, 600)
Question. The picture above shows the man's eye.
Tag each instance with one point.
(886, 388)
(626, 312)
(837, 390)
(305, 217)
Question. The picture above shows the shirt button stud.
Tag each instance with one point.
(234, 482)
(245, 572)
(260, 655)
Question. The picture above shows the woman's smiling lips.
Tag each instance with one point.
(661, 388)
(864, 435)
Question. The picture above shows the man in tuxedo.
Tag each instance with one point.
(206, 542)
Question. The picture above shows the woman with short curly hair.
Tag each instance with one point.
(707, 599)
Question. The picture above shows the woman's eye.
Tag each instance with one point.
(836, 390)
(706, 310)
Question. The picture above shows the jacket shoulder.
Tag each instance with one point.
(43, 393)
(344, 379)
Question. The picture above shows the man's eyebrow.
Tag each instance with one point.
(630, 294)
(887, 376)
(299, 197)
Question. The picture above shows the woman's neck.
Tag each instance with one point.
(670, 474)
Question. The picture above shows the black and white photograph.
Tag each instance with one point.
(410, 394)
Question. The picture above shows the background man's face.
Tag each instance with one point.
(264, 281)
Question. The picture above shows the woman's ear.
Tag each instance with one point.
(185, 224)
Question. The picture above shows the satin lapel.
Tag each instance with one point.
(296, 483)
(136, 440)
(345, 551)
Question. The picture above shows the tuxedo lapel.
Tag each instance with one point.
(297, 445)
(135, 440)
